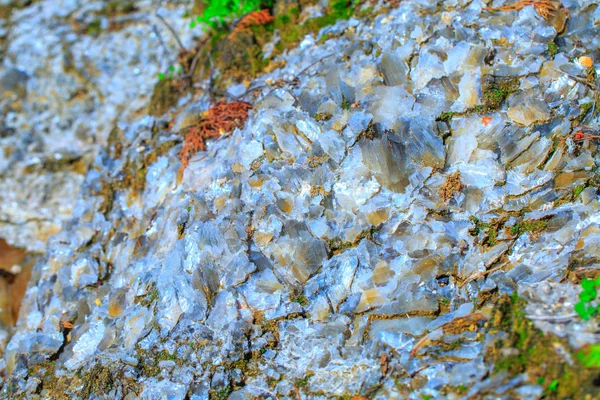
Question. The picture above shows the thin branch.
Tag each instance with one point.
(578, 79)
(552, 317)
(170, 28)
(160, 39)
(478, 275)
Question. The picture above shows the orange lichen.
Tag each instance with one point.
(261, 17)
(486, 120)
(586, 61)
(546, 8)
(221, 118)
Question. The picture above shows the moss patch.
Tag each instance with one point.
(585, 109)
(240, 58)
(534, 227)
(166, 94)
(323, 116)
(491, 229)
(552, 49)
(103, 379)
(527, 349)
(496, 90)
(99, 379)
(445, 117)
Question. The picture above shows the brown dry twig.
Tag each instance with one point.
(220, 119)
(479, 275)
(170, 28)
(255, 18)
(546, 8)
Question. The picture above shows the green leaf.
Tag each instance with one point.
(581, 310)
(192, 25)
(161, 77)
(553, 387)
(590, 355)
(585, 297)
(588, 285)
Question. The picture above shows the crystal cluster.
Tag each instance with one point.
(310, 256)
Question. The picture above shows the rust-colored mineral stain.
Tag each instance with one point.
(14, 275)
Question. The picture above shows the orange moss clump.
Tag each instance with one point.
(261, 17)
(220, 119)
(546, 8)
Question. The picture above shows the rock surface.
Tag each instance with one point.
(304, 257)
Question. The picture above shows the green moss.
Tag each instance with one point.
(116, 7)
(531, 226)
(585, 109)
(497, 90)
(165, 95)
(577, 191)
(303, 382)
(445, 117)
(345, 103)
(491, 229)
(300, 299)
(455, 345)
(323, 116)
(220, 394)
(240, 57)
(552, 49)
(151, 296)
(149, 361)
(492, 235)
(103, 379)
(94, 28)
(478, 226)
(524, 348)
(477, 109)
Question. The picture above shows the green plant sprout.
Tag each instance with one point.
(171, 73)
(220, 12)
(587, 307)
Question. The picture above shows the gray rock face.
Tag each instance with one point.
(361, 255)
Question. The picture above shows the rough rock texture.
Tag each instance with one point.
(71, 72)
(311, 257)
